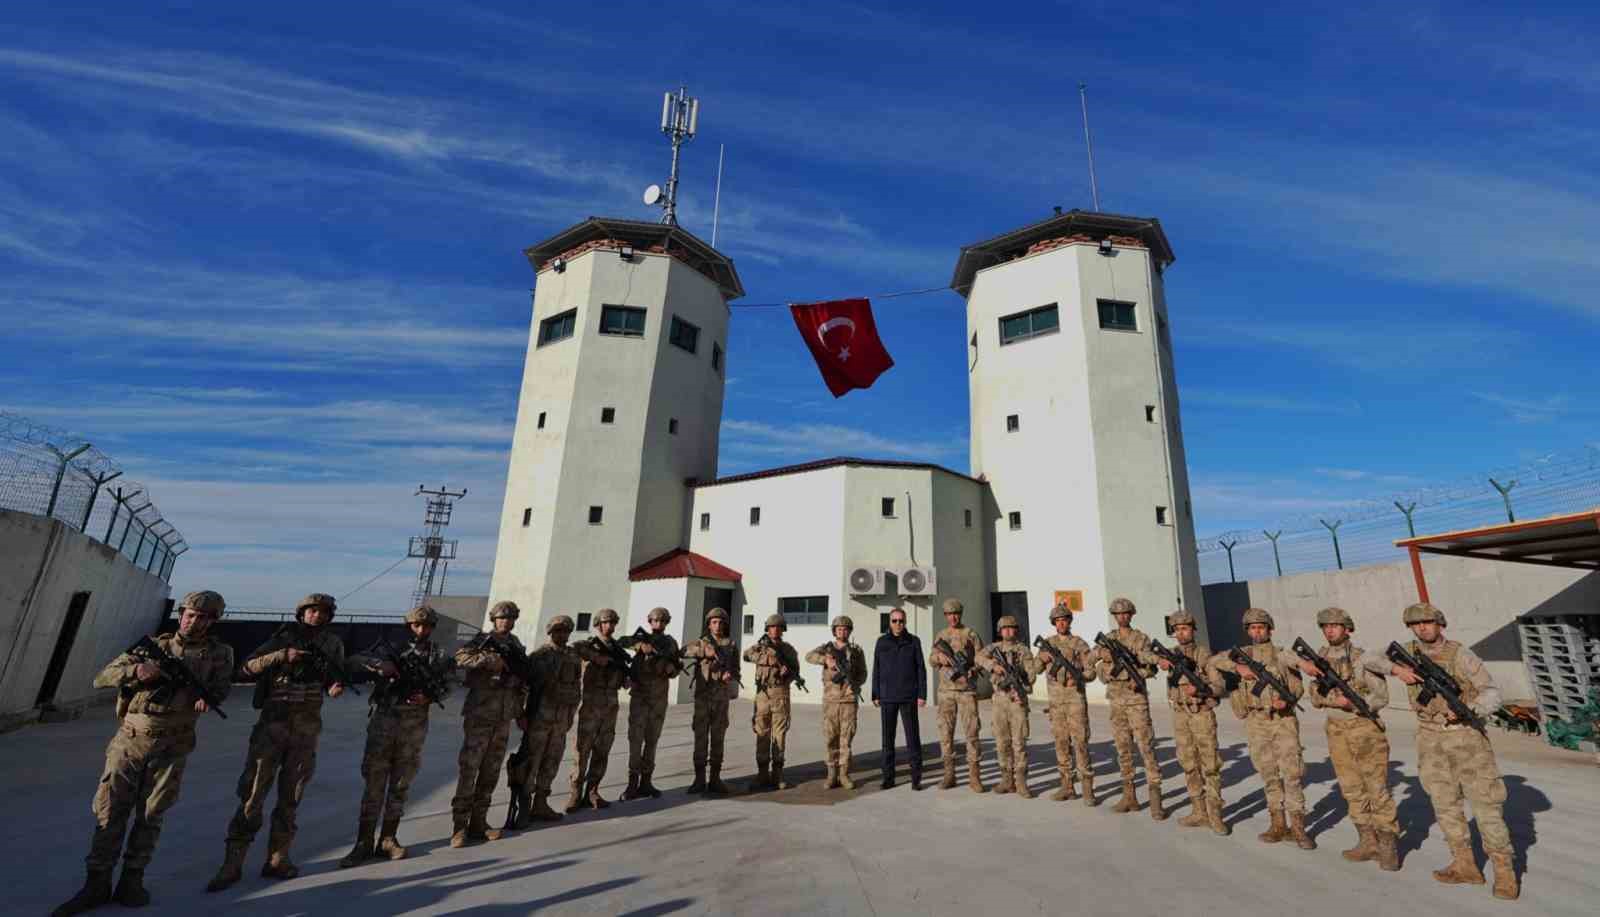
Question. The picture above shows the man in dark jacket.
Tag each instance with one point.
(899, 687)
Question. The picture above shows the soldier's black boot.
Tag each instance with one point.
(646, 788)
(95, 892)
(777, 781)
(362, 851)
(130, 888)
(714, 785)
(632, 792)
(231, 869)
(699, 784)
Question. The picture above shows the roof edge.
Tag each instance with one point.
(834, 462)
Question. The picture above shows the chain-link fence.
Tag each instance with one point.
(50, 472)
(1364, 532)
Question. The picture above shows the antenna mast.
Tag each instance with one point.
(680, 115)
(1083, 100)
(430, 546)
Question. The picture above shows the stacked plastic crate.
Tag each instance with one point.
(1562, 653)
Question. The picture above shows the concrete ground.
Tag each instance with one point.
(803, 851)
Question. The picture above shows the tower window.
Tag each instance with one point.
(584, 619)
(804, 610)
(1149, 413)
(595, 512)
(527, 516)
(1013, 423)
(558, 327)
(672, 425)
(1118, 316)
(683, 334)
(626, 321)
(1161, 515)
(1029, 324)
(716, 356)
(888, 507)
(749, 624)
(705, 522)
(608, 415)
(967, 517)
(755, 515)
(1015, 518)
(541, 420)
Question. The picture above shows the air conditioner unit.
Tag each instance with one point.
(919, 581)
(866, 581)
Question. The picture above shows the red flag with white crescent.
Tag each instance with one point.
(844, 341)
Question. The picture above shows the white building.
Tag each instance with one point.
(1079, 491)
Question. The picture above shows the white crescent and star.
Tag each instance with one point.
(839, 322)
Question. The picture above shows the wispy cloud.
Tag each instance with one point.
(1327, 404)
(746, 440)
(1531, 410)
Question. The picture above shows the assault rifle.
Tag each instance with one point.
(1123, 660)
(722, 659)
(1436, 682)
(516, 763)
(1329, 681)
(657, 643)
(1183, 667)
(516, 660)
(1264, 678)
(416, 676)
(619, 657)
(799, 680)
(1010, 679)
(314, 660)
(961, 664)
(841, 667)
(174, 671)
(1059, 661)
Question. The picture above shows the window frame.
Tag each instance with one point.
(597, 515)
(1014, 520)
(716, 357)
(608, 415)
(672, 426)
(807, 614)
(1032, 332)
(966, 518)
(1162, 516)
(705, 522)
(1013, 423)
(585, 619)
(628, 312)
(567, 319)
(755, 515)
(541, 419)
(886, 507)
(673, 335)
(1115, 304)
(527, 516)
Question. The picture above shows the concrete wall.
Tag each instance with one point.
(1481, 601)
(43, 563)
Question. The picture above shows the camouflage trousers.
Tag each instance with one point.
(1069, 725)
(483, 750)
(391, 760)
(710, 728)
(1455, 765)
(597, 729)
(646, 714)
(283, 749)
(1010, 734)
(547, 742)
(1195, 734)
(1131, 730)
(962, 704)
(838, 731)
(770, 720)
(1360, 753)
(1275, 751)
(144, 769)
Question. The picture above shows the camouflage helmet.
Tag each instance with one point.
(842, 621)
(659, 613)
(607, 614)
(776, 619)
(505, 610)
(1422, 611)
(1005, 622)
(717, 613)
(317, 600)
(1180, 617)
(422, 614)
(1257, 616)
(1333, 615)
(953, 607)
(559, 622)
(1122, 606)
(205, 601)
(1060, 611)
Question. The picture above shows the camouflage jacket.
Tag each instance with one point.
(655, 669)
(1017, 652)
(1079, 654)
(1200, 656)
(301, 683)
(1346, 660)
(1120, 688)
(705, 651)
(1246, 702)
(391, 694)
(601, 679)
(493, 692)
(855, 672)
(210, 660)
(963, 640)
(1473, 682)
(777, 665)
(560, 673)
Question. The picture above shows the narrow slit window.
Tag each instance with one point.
(1149, 413)
(1161, 515)
(888, 507)
(1013, 423)
(672, 425)
(595, 514)
(541, 420)
(527, 516)
(755, 515)
(608, 415)
(705, 522)
(1015, 518)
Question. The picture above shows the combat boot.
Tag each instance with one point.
(777, 782)
(1388, 852)
(362, 851)
(1297, 829)
(844, 779)
(973, 779)
(832, 782)
(1214, 817)
(699, 784)
(130, 888)
(1365, 849)
(1197, 806)
(576, 800)
(1066, 790)
(1130, 798)
(524, 819)
(231, 869)
(279, 866)
(458, 836)
(632, 792)
(541, 808)
(1004, 784)
(714, 784)
(388, 843)
(646, 788)
(1088, 790)
(1462, 869)
(1158, 809)
(95, 892)
(759, 781)
(1505, 875)
(949, 779)
(1278, 830)
(1022, 782)
(595, 799)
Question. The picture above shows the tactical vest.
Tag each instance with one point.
(1436, 710)
(1199, 656)
(166, 699)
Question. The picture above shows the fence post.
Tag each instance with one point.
(1228, 546)
(112, 525)
(89, 510)
(1334, 531)
(1505, 496)
(1408, 510)
(61, 472)
(1273, 537)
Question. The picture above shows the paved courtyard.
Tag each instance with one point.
(805, 851)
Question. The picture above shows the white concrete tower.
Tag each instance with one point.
(620, 406)
(1075, 421)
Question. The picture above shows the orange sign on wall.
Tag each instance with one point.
(1072, 598)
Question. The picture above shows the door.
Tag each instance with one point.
(63, 651)
(1014, 604)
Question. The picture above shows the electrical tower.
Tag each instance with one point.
(435, 552)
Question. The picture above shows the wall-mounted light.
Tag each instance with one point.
(626, 252)
(560, 265)
(1105, 246)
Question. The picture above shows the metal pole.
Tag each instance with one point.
(1408, 510)
(1228, 546)
(1505, 497)
(110, 526)
(98, 483)
(716, 201)
(61, 472)
(1273, 537)
(1094, 187)
(1334, 531)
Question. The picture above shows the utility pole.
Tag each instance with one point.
(431, 547)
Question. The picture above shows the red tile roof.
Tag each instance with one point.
(831, 463)
(678, 563)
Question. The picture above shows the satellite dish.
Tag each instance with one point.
(652, 194)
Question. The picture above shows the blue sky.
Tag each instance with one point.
(268, 256)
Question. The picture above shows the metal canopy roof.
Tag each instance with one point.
(677, 241)
(1571, 540)
(1002, 248)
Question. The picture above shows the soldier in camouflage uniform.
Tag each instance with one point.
(1194, 729)
(1272, 729)
(283, 746)
(841, 701)
(1010, 707)
(957, 698)
(1358, 746)
(655, 665)
(559, 671)
(716, 681)
(1069, 711)
(597, 713)
(1131, 728)
(1454, 760)
(145, 759)
(496, 696)
(777, 666)
(397, 727)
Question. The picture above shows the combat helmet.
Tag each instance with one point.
(776, 619)
(1180, 616)
(1258, 616)
(607, 614)
(953, 607)
(423, 614)
(718, 612)
(1422, 611)
(206, 601)
(559, 622)
(1005, 622)
(505, 610)
(1060, 611)
(1121, 605)
(842, 621)
(659, 613)
(316, 600)
(1335, 615)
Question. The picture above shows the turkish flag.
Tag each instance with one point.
(844, 341)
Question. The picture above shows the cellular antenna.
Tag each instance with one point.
(680, 115)
(1083, 100)
(716, 202)
(431, 546)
